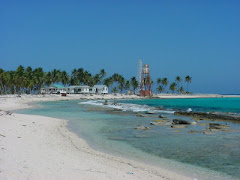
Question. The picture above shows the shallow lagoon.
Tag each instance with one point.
(113, 132)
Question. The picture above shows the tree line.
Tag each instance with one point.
(29, 80)
(174, 86)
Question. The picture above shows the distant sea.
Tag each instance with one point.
(111, 128)
(231, 94)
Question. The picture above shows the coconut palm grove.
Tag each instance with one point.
(29, 80)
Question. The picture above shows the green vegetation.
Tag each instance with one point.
(134, 83)
(164, 82)
(174, 86)
(178, 80)
(28, 80)
(160, 88)
(188, 80)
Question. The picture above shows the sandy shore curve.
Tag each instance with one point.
(37, 147)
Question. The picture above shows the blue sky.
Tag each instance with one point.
(196, 38)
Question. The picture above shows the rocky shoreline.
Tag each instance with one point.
(209, 116)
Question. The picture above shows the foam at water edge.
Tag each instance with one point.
(126, 106)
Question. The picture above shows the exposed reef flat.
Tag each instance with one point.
(209, 116)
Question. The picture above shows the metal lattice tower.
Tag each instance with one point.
(139, 75)
(146, 84)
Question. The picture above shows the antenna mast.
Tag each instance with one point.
(139, 75)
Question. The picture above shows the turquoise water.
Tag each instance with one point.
(212, 156)
(201, 104)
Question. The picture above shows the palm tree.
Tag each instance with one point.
(181, 90)
(121, 85)
(164, 82)
(173, 87)
(38, 76)
(11, 80)
(56, 75)
(20, 78)
(102, 74)
(152, 82)
(81, 76)
(74, 77)
(134, 83)
(121, 82)
(64, 78)
(160, 88)
(117, 78)
(1, 81)
(159, 80)
(115, 90)
(48, 79)
(188, 80)
(108, 81)
(29, 79)
(87, 79)
(96, 79)
(4, 80)
(127, 85)
(178, 80)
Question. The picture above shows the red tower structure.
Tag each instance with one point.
(146, 84)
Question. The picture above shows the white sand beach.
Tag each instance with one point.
(37, 147)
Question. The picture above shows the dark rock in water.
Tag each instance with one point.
(179, 121)
(141, 115)
(115, 109)
(178, 126)
(217, 126)
(149, 112)
(227, 130)
(105, 103)
(209, 116)
(141, 127)
(160, 116)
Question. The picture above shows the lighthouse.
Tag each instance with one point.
(146, 84)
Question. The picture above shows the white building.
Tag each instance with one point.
(58, 89)
(53, 89)
(99, 89)
(77, 89)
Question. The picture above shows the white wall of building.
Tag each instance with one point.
(100, 89)
(97, 89)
